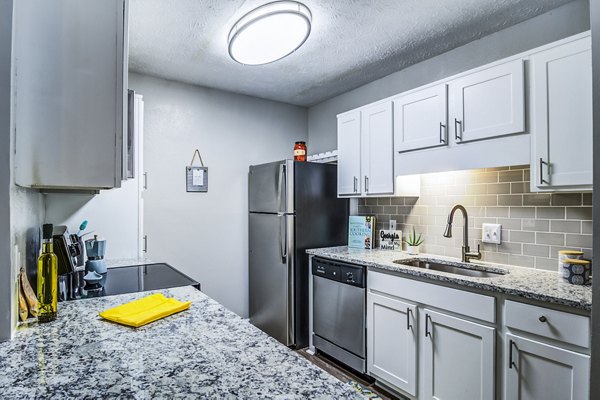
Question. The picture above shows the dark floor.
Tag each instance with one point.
(344, 374)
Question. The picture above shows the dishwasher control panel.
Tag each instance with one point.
(338, 271)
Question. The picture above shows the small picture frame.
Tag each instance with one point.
(196, 179)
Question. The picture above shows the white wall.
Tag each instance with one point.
(205, 235)
(559, 23)
(5, 261)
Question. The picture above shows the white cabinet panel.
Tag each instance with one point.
(457, 357)
(488, 103)
(377, 149)
(392, 341)
(535, 370)
(348, 134)
(71, 91)
(562, 117)
(420, 119)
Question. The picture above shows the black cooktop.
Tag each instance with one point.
(136, 278)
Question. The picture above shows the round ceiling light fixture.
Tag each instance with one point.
(269, 33)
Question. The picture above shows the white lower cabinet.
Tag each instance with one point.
(457, 357)
(535, 370)
(392, 341)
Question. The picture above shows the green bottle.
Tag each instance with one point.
(47, 278)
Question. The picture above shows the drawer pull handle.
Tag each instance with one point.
(427, 318)
(543, 319)
(510, 355)
(408, 324)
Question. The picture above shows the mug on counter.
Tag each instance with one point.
(577, 272)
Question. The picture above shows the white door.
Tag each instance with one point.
(457, 357)
(348, 135)
(562, 116)
(377, 160)
(535, 370)
(420, 119)
(488, 103)
(392, 341)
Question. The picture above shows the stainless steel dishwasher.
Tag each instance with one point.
(339, 307)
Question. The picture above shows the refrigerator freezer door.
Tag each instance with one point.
(271, 275)
(271, 187)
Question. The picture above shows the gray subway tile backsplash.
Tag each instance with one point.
(535, 226)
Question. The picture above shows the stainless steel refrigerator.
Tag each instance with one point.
(293, 206)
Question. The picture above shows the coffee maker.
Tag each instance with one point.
(95, 249)
(69, 251)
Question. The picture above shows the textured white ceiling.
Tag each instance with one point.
(352, 42)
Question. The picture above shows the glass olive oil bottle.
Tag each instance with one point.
(47, 278)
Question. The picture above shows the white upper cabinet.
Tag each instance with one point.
(561, 82)
(377, 149)
(488, 103)
(71, 93)
(348, 136)
(420, 119)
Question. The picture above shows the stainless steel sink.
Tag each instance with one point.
(474, 270)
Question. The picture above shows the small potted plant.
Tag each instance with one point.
(413, 242)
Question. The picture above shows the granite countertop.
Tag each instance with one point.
(204, 352)
(546, 286)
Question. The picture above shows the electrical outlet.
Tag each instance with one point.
(491, 233)
(392, 224)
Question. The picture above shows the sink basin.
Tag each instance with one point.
(474, 270)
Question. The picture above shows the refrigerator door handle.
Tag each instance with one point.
(283, 242)
(282, 184)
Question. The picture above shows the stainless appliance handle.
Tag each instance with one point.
(289, 242)
(281, 187)
(283, 242)
(456, 130)
(442, 136)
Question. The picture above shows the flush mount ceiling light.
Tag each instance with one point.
(269, 33)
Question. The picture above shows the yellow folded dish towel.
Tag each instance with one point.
(145, 310)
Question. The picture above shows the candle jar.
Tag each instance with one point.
(300, 151)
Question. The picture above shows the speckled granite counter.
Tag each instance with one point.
(534, 284)
(204, 352)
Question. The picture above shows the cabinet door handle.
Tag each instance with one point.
(510, 354)
(366, 184)
(427, 318)
(408, 324)
(542, 180)
(355, 184)
(442, 136)
(145, 248)
(145, 180)
(457, 123)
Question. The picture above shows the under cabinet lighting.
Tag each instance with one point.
(269, 33)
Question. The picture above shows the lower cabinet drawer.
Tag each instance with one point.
(473, 305)
(553, 324)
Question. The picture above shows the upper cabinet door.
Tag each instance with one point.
(377, 149)
(71, 93)
(420, 119)
(488, 103)
(562, 117)
(348, 135)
